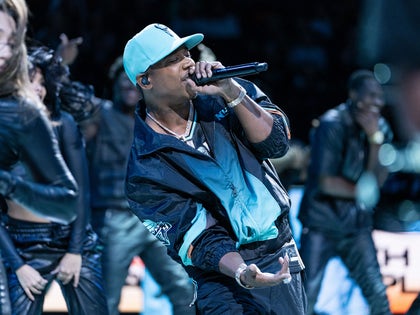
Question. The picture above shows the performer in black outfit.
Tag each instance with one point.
(41, 250)
(26, 135)
(344, 147)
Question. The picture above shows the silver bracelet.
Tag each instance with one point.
(239, 99)
(238, 272)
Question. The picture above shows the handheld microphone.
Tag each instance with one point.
(232, 71)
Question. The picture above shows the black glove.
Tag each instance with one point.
(77, 99)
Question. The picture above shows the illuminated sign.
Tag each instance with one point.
(399, 257)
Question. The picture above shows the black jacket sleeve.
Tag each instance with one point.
(26, 136)
(277, 143)
(73, 151)
(8, 250)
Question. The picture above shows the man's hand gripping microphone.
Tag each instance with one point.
(232, 71)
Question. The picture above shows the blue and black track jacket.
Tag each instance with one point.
(174, 189)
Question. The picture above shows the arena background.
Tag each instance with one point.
(310, 46)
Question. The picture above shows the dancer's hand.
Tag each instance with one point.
(31, 281)
(69, 268)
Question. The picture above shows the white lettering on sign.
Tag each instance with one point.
(399, 258)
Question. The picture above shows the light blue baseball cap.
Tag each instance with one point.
(152, 44)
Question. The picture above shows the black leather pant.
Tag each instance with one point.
(124, 236)
(5, 308)
(42, 245)
(358, 254)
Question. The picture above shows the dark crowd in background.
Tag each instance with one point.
(310, 46)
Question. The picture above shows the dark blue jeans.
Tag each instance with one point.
(42, 245)
(221, 295)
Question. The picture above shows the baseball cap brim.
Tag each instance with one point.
(189, 42)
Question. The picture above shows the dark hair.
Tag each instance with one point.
(77, 98)
(54, 72)
(358, 78)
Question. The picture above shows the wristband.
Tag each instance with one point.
(377, 138)
(238, 272)
(287, 280)
(239, 99)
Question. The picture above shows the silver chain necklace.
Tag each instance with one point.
(173, 133)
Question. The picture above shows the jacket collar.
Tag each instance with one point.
(146, 140)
